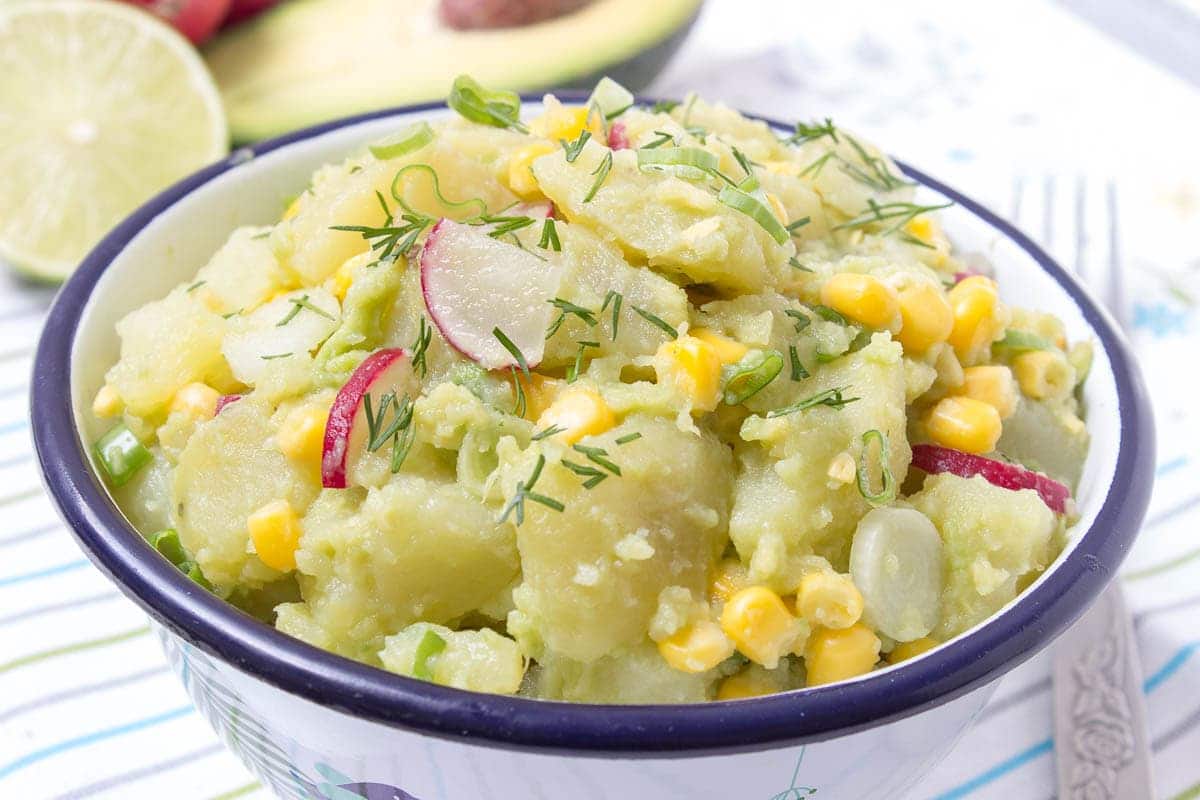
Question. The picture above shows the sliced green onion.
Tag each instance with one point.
(168, 545)
(756, 209)
(494, 107)
(192, 570)
(430, 645)
(408, 140)
(690, 163)
(749, 376)
(829, 314)
(611, 98)
(121, 454)
(1019, 341)
(887, 492)
(798, 371)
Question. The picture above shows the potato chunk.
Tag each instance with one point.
(593, 572)
(417, 549)
(229, 469)
(995, 541)
(787, 504)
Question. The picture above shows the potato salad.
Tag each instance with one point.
(604, 402)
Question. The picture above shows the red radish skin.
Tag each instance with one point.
(473, 284)
(195, 19)
(225, 400)
(932, 458)
(387, 370)
(618, 137)
(244, 9)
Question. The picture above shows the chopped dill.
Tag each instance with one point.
(833, 398)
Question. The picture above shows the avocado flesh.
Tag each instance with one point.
(308, 61)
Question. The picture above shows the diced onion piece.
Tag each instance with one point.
(611, 98)
(412, 138)
(757, 209)
(690, 163)
(748, 376)
(932, 458)
(896, 563)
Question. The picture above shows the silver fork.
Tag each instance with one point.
(1101, 741)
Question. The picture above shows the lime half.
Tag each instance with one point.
(101, 106)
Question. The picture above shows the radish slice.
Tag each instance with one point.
(384, 371)
(932, 458)
(896, 562)
(618, 137)
(224, 400)
(474, 284)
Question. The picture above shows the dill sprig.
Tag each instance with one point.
(549, 240)
(566, 307)
(615, 298)
(574, 148)
(802, 319)
(744, 162)
(817, 165)
(874, 172)
(546, 433)
(194, 287)
(656, 321)
(399, 431)
(520, 403)
(795, 262)
(797, 224)
(508, 345)
(662, 138)
(601, 172)
(525, 492)
(389, 238)
(830, 315)
(421, 347)
(901, 213)
(629, 437)
(664, 106)
(808, 131)
(833, 398)
(594, 476)
(275, 356)
(504, 225)
(597, 455)
(576, 368)
(302, 303)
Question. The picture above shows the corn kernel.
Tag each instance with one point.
(728, 579)
(907, 650)
(922, 227)
(275, 531)
(842, 468)
(1044, 374)
(343, 278)
(697, 647)
(838, 655)
(925, 316)
(730, 351)
(745, 684)
(540, 392)
(107, 403)
(760, 625)
(567, 122)
(778, 207)
(196, 399)
(993, 384)
(966, 424)
(829, 599)
(579, 412)
(694, 369)
(979, 317)
(862, 298)
(520, 172)
(302, 435)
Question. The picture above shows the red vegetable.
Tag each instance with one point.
(225, 400)
(387, 370)
(932, 458)
(242, 9)
(195, 19)
(618, 138)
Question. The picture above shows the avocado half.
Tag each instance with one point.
(307, 61)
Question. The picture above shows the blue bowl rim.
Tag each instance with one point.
(652, 731)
